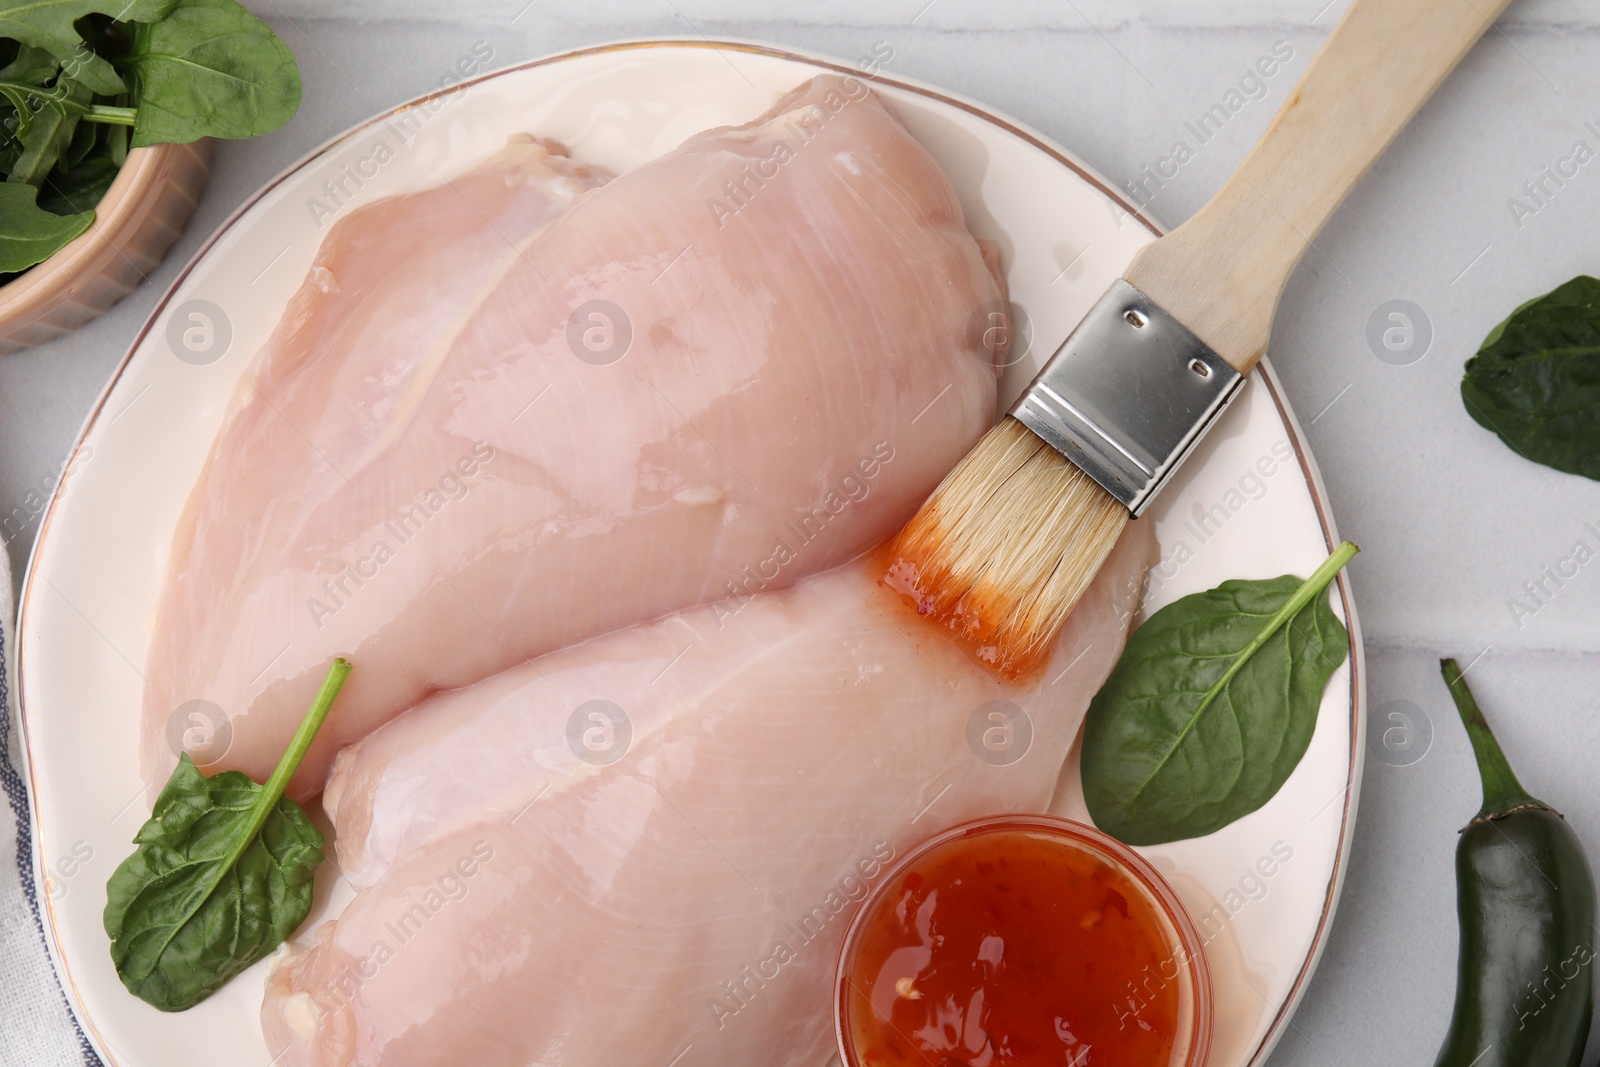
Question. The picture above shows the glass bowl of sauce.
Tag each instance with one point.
(1021, 940)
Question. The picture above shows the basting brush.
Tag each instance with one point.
(1008, 542)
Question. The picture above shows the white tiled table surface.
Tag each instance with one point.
(1451, 523)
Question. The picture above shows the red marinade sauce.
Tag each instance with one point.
(1011, 946)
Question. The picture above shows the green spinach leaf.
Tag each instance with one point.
(22, 98)
(84, 139)
(210, 69)
(117, 144)
(194, 68)
(30, 66)
(1535, 381)
(78, 188)
(23, 81)
(222, 875)
(1211, 706)
(57, 112)
(48, 24)
(30, 234)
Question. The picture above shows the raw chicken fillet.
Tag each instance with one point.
(676, 891)
(532, 406)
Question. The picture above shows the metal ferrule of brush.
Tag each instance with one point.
(1128, 395)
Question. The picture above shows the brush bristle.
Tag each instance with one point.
(1006, 545)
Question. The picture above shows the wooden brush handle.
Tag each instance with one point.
(1221, 273)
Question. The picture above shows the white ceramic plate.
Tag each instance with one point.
(1249, 504)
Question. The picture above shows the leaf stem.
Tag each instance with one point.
(273, 788)
(1502, 793)
(267, 799)
(110, 114)
(1309, 588)
(1302, 596)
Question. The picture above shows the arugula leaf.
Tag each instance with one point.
(30, 234)
(210, 69)
(22, 83)
(1211, 706)
(80, 187)
(21, 97)
(30, 66)
(222, 875)
(48, 24)
(1535, 381)
(10, 147)
(49, 132)
(84, 140)
(117, 144)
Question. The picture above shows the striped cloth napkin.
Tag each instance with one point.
(37, 1029)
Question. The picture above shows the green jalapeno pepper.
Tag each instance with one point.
(1526, 902)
